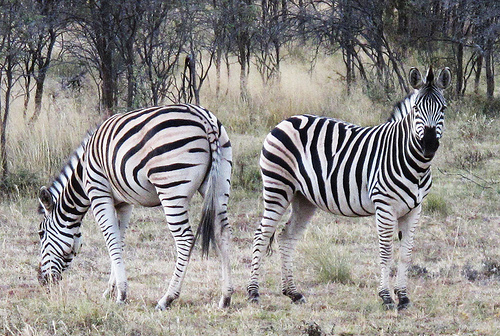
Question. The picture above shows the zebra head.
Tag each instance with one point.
(59, 241)
(429, 108)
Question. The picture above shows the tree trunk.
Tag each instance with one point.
(243, 80)
(490, 79)
(460, 69)
(43, 64)
(479, 68)
(218, 64)
(5, 117)
(38, 98)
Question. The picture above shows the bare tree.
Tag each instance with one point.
(159, 48)
(45, 24)
(11, 49)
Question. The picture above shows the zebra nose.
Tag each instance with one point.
(430, 142)
(48, 278)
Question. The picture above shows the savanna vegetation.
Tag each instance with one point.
(66, 65)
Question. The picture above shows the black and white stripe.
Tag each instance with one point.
(310, 161)
(150, 157)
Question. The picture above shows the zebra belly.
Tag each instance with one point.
(337, 202)
(145, 197)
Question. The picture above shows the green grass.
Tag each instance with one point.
(336, 264)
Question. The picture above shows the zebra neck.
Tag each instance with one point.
(71, 201)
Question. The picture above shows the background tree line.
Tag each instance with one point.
(149, 52)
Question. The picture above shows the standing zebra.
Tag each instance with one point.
(345, 169)
(150, 157)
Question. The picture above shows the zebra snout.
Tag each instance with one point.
(430, 142)
(48, 278)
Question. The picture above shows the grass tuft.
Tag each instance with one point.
(436, 204)
(331, 267)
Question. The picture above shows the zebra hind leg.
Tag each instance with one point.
(178, 224)
(223, 246)
(302, 212)
(262, 239)
(277, 198)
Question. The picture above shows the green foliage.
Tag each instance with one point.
(436, 204)
(20, 183)
(246, 174)
(489, 107)
(246, 171)
(331, 267)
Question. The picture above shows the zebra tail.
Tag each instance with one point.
(206, 228)
(269, 249)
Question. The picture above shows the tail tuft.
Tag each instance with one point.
(206, 227)
(269, 249)
(209, 211)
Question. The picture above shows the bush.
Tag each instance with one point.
(20, 183)
(436, 204)
(332, 267)
(488, 107)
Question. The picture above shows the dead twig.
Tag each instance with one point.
(484, 186)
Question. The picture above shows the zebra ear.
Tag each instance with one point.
(444, 79)
(46, 200)
(415, 78)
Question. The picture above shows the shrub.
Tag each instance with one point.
(20, 183)
(331, 267)
(436, 204)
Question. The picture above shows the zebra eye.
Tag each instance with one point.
(41, 233)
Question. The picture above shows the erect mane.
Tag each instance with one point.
(403, 108)
(68, 170)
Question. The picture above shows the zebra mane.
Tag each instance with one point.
(61, 181)
(403, 107)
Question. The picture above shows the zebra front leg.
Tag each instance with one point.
(111, 289)
(385, 229)
(178, 224)
(407, 225)
(105, 214)
(123, 212)
(302, 211)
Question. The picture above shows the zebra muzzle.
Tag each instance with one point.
(429, 142)
(49, 278)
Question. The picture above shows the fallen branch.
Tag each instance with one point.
(470, 179)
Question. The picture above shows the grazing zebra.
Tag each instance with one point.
(345, 169)
(150, 157)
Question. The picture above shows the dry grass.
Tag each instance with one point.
(455, 278)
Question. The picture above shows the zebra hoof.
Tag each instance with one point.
(253, 297)
(109, 292)
(404, 303)
(225, 302)
(389, 306)
(387, 301)
(162, 307)
(298, 298)
(164, 303)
